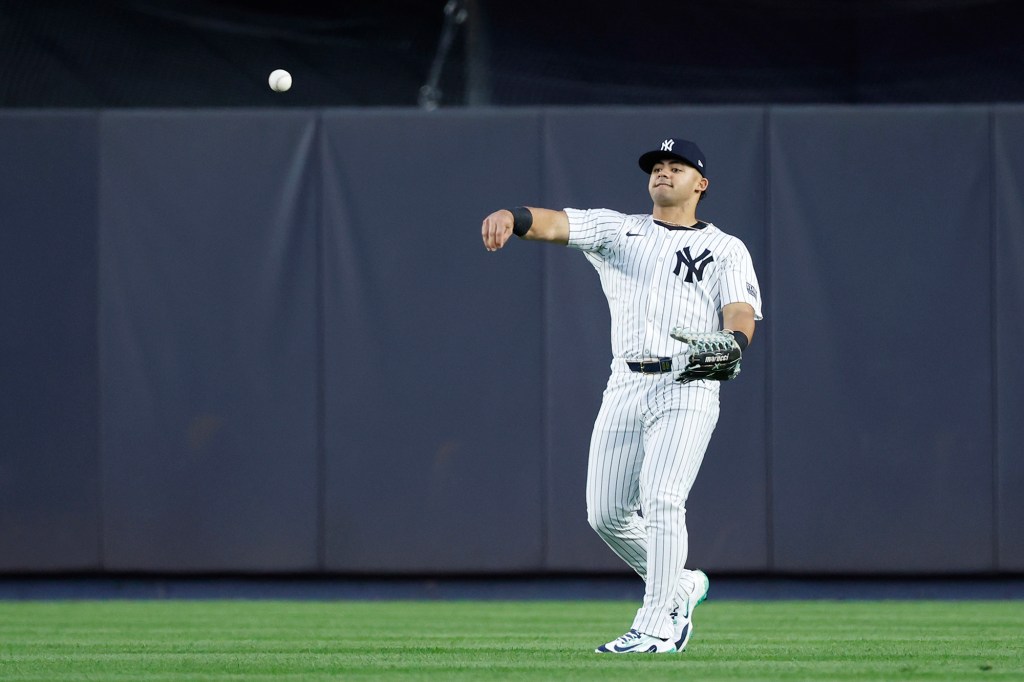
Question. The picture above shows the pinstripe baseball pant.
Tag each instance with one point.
(648, 443)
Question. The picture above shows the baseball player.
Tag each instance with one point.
(684, 299)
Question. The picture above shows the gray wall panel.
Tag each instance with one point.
(272, 341)
(49, 469)
(433, 345)
(1008, 138)
(882, 458)
(591, 162)
(208, 328)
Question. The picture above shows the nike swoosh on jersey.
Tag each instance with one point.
(634, 234)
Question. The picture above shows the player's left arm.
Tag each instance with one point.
(739, 317)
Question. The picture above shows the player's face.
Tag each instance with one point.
(674, 182)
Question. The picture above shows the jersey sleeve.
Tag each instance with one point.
(593, 230)
(739, 281)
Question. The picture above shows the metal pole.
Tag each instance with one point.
(455, 14)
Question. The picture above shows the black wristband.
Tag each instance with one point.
(741, 340)
(522, 220)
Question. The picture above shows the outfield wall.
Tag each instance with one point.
(271, 340)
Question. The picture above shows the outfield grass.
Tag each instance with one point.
(263, 640)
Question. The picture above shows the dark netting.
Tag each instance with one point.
(523, 52)
(166, 53)
(756, 51)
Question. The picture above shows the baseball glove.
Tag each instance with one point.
(713, 355)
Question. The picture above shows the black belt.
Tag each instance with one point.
(653, 366)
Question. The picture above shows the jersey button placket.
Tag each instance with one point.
(649, 323)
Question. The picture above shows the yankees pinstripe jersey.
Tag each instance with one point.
(658, 277)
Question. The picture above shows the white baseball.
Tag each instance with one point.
(280, 80)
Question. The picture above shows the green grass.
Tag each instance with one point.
(264, 640)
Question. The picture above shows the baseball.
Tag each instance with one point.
(280, 80)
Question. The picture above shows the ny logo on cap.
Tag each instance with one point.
(666, 146)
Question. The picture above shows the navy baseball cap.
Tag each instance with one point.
(679, 149)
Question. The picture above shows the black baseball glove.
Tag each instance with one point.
(712, 355)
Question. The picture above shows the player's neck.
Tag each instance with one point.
(683, 216)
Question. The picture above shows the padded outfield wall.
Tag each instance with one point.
(271, 341)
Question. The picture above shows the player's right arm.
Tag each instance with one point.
(547, 226)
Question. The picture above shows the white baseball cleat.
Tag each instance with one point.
(634, 642)
(684, 621)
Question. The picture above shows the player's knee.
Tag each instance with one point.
(665, 501)
(607, 521)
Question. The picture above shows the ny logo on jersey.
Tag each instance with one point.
(694, 266)
(666, 146)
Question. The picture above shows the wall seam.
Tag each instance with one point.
(769, 349)
(101, 497)
(320, 362)
(544, 373)
(993, 302)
